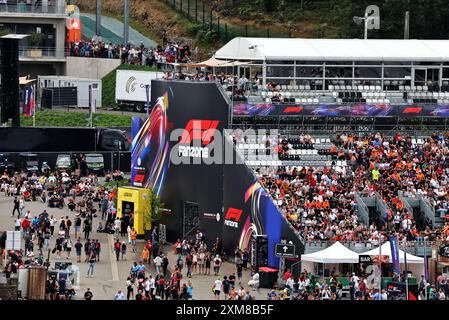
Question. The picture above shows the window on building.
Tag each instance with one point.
(280, 71)
(368, 72)
(338, 72)
(397, 72)
(309, 72)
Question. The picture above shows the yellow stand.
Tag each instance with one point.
(141, 200)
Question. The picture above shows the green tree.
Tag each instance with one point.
(153, 216)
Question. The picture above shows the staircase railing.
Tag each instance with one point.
(427, 209)
(362, 209)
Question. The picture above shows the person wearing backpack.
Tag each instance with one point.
(78, 248)
(117, 248)
(123, 250)
(217, 264)
(189, 263)
(77, 226)
(98, 249)
(68, 247)
(180, 263)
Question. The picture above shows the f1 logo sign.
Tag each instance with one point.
(409, 110)
(199, 130)
(139, 178)
(293, 109)
(232, 217)
(233, 214)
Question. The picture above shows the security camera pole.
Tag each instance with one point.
(126, 23)
(371, 19)
(98, 21)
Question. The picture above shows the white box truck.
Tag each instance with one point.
(130, 89)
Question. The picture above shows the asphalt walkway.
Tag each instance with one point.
(110, 275)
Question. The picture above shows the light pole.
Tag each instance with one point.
(371, 20)
(126, 23)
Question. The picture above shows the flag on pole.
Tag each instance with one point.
(28, 101)
(395, 254)
(32, 104)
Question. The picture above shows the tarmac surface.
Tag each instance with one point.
(109, 274)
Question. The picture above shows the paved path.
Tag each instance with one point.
(112, 31)
(110, 275)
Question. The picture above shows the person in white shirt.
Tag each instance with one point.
(120, 295)
(158, 263)
(147, 288)
(217, 288)
(290, 283)
(152, 286)
(117, 224)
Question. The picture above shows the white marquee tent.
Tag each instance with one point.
(386, 251)
(336, 253)
(262, 49)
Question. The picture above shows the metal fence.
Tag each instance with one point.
(41, 53)
(196, 10)
(36, 7)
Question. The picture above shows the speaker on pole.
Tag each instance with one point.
(9, 79)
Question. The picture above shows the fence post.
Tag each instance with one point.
(246, 30)
(204, 14)
(218, 26)
(188, 8)
(174, 4)
(196, 10)
(268, 32)
(211, 19)
(226, 32)
(180, 6)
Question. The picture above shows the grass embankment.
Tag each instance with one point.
(50, 118)
(108, 83)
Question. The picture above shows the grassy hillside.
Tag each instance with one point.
(49, 118)
(108, 83)
(333, 18)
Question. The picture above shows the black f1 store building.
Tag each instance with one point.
(222, 200)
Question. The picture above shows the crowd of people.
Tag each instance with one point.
(173, 281)
(77, 192)
(320, 201)
(130, 54)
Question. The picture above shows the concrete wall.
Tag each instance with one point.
(35, 69)
(90, 68)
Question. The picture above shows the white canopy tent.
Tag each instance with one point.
(336, 253)
(262, 49)
(386, 251)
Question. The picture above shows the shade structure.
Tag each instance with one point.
(334, 49)
(212, 62)
(336, 253)
(386, 251)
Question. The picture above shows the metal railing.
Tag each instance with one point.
(41, 53)
(406, 204)
(35, 8)
(362, 209)
(381, 205)
(427, 208)
(413, 247)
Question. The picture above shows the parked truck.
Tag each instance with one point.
(130, 88)
(28, 139)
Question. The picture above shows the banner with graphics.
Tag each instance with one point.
(172, 153)
(340, 110)
(28, 101)
(395, 254)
